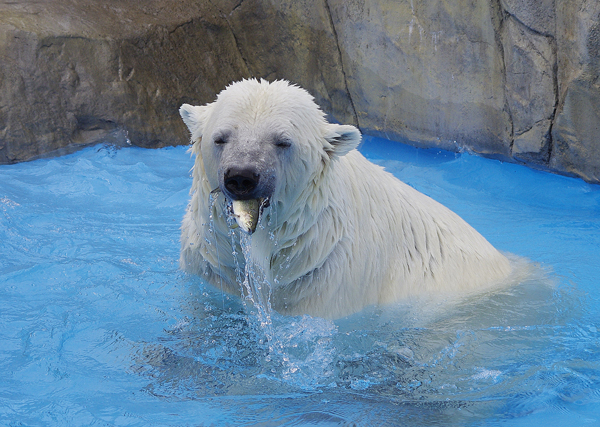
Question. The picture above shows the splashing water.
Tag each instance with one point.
(257, 287)
(255, 290)
(302, 351)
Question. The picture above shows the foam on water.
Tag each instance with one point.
(99, 327)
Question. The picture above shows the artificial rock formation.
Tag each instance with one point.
(79, 71)
(517, 80)
(76, 72)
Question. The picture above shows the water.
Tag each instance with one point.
(98, 327)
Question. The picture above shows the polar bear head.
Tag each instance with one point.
(263, 143)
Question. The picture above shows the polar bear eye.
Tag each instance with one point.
(221, 138)
(283, 142)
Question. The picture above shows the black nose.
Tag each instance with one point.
(241, 182)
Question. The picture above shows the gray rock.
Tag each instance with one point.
(537, 15)
(530, 88)
(76, 72)
(576, 132)
(430, 73)
(517, 80)
(79, 71)
(293, 40)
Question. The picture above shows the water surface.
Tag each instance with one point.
(99, 327)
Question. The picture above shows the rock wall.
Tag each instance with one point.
(513, 79)
(508, 78)
(75, 72)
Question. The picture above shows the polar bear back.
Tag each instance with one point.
(397, 243)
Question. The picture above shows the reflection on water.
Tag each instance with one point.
(99, 327)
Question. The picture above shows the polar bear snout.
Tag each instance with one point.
(241, 182)
(245, 169)
(248, 193)
(246, 180)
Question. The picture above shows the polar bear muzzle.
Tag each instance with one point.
(248, 192)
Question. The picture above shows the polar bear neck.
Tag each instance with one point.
(303, 233)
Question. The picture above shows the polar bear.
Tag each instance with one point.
(337, 233)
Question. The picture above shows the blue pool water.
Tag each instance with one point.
(98, 327)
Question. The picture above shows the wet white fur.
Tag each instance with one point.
(341, 233)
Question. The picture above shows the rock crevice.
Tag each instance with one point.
(339, 52)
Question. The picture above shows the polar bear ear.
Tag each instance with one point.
(194, 117)
(343, 139)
